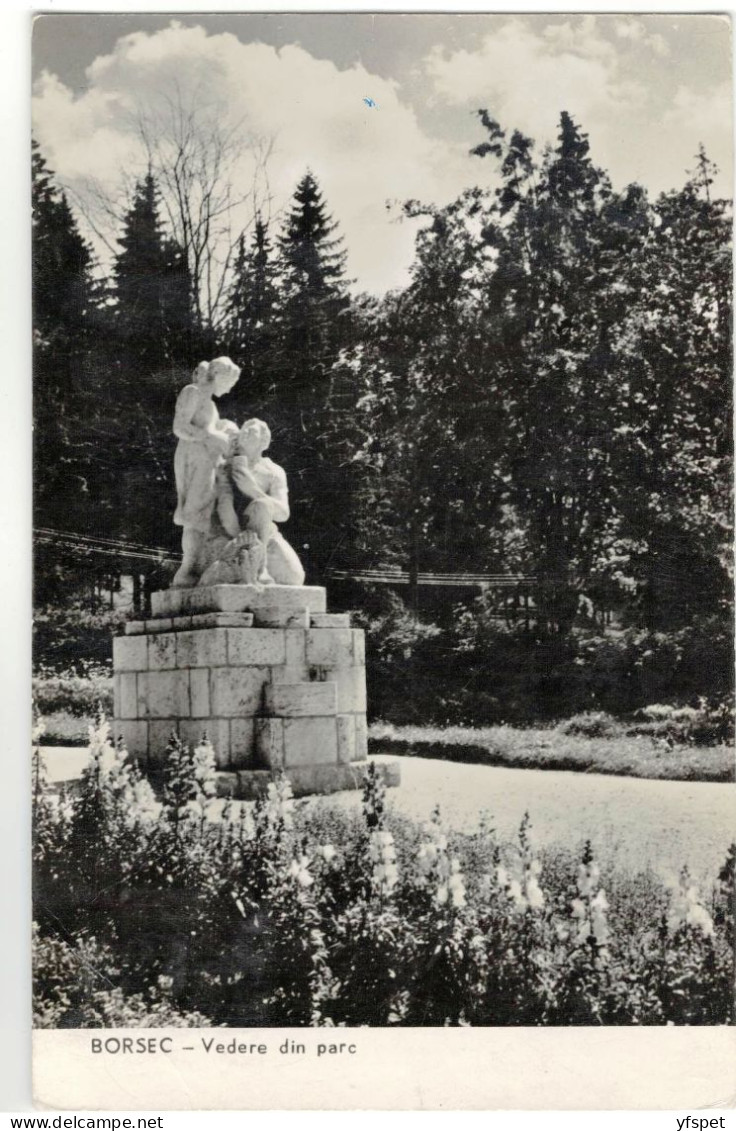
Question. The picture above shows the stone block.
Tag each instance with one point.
(273, 616)
(236, 599)
(300, 700)
(159, 736)
(351, 695)
(391, 774)
(269, 742)
(310, 741)
(346, 738)
(358, 647)
(330, 620)
(193, 731)
(201, 647)
(242, 742)
(226, 785)
(162, 651)
(199, 692)
(294, 669)
(181, 624)
(134, 733)
(237, 691)
(304, 780)
(126, 698)
(256, 647)
(135, 627)
(130, 654)
(222, 620)
(325, 779)
(361, 738)
(330, 647)
(163, 695)
(253, 784)
(163, 624)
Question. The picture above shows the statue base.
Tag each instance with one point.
(276, 683)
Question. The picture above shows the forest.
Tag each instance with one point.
(549, 398)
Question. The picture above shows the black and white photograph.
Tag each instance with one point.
(382, 526)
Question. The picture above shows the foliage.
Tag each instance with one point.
(252, 329)
(629, 748)
(152, 289)
(70, 639)
(291, 914)
(74, 988)
(77, 695)
(549, 395)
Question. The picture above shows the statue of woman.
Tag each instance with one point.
(204, 441)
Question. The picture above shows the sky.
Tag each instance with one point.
(646, 89)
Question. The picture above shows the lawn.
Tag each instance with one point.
(550, 748)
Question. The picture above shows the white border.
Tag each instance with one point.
(15, 21)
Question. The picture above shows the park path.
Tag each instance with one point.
(638, 822)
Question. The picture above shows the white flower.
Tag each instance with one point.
(534, 894)
(456, 884)
(697, 916)
(515, 894)
(299, 871)
(328, 852)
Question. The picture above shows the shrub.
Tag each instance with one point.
(80, 693)
(72, 990)
(710, 723)
(292, 914)
(592, 724)
(62, 635)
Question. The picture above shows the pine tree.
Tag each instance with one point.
(63, 308)
(252, 311)
(61, 262)
(314, 290)
(312, 315)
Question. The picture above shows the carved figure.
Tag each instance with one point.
(252, 493)
(204, 441)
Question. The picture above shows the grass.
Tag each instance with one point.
(550, 748)
(63, 729)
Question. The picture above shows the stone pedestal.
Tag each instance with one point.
(274, 681)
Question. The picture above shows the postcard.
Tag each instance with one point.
(383, 750)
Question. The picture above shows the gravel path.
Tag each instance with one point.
(663, 824)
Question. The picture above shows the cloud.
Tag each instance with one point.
(313, 112)
(610, 75)
(644, 118)
(529, 77)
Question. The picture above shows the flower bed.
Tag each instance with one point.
(282, 914)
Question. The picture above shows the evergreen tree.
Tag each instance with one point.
(312, 325)
(252, 329)
(61, 264)
(63, 308)
(152, 288)
(314, 292)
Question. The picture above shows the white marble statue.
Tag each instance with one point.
(251, 498)
(204, 442)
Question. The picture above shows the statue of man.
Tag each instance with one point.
(204, 441)
(252, 496)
